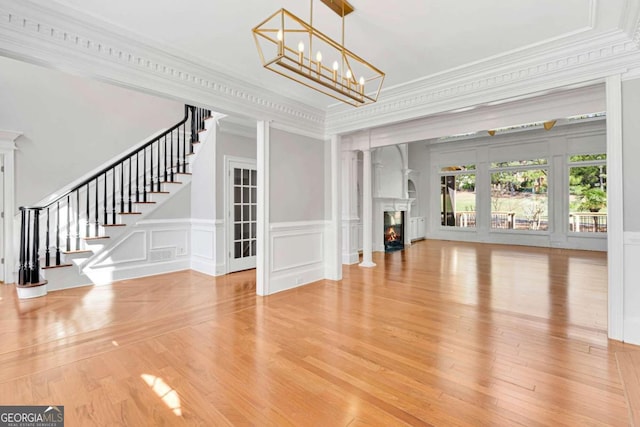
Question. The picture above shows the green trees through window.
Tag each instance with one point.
(588, 193)
(519, 195)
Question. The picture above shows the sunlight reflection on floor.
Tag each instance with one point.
(168, 395)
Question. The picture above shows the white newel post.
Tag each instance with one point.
(367, 209)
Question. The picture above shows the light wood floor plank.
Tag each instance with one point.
(443, 333)
(629, 367)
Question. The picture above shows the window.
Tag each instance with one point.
(458, 196)
(519, 195)
(588, 193)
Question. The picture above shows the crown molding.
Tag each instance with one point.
(67, 40)
(542, 69)
(549, 106)
(9, 136)
(58, 37)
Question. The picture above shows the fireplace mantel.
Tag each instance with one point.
(391, 204)
(382, 205)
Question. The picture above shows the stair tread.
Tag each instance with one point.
(172, 182)
(183, 173)
(57, 266)
(145, 203)
(78, 251)
(96, 238)
(113, 225)
(159, 192)
(129, 213)
(32, 285)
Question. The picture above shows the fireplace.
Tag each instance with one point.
(393, 231)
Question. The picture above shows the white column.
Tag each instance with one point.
(615, 231)
(7, 149)
(367, 214)
(405, 194)
(333, 264)
(350, 219)
(263, 234)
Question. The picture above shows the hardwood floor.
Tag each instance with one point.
(440, 334)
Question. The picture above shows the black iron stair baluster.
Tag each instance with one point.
(35, 266)
(151, 184)
(137, 177)
(113, 195)
(77, 220)
(104, 201)
(87, 226)
(22, 267)
(121, 187)
(97, 214)
(171, 157)
(130, 207)
(47, 254)
(158, 187)
(144, 175)
(58, 261)
(165, 159)
(68, 222)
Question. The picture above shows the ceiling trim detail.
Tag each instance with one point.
(33, 33)
(80, 44)
(578, 63)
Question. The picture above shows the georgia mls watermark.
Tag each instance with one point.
(31, 416)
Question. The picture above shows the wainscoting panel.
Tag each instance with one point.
(207, 247)
(351, 240)
(152, 247)
(297, 254)
(132, 248)
(631, 287)
(177, 239)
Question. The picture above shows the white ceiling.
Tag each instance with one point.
(407, 40)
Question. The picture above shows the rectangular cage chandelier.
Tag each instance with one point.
(295, 49)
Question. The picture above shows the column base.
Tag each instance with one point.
(367, 264)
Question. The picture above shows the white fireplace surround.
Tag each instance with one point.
(389, 204)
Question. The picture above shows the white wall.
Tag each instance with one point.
(419, 156)
(71, 125)
(631, 174)
(631, 151)
(297, 177)
(388, 174)
(177, 207)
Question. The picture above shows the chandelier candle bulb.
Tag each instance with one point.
(361, 85)
(300, 52)
(319, 62)
(335, 71)
(280, 37)
(348, 77)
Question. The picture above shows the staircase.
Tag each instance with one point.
(61, 241)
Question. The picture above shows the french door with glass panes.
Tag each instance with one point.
(242, 215)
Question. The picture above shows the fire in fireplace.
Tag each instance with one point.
(393, 231)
